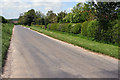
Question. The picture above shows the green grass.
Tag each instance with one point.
(6, 37)
(103, 48)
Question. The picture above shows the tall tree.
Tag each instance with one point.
(60, 16)
(39, 19)
(29, 17)
(52, 17)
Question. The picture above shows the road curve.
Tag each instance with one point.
(34, 55)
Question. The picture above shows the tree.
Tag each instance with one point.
(105, 13)
(21, 19)
(39, 19)
(29, 17)
(52, 17)
(46, 20)
(68, 18)
(80, 13)
(60, 16)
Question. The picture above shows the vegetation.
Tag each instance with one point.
(6, 37)
(3, 20)
(100, 21)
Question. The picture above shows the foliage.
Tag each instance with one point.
(84, 28)
(92, 29)
(105, 12)
(31, 18)
(116, 34)
(66, 27)
(60, 16)
(6, 37)
(76, 28)
(68, 18)
(53, 26)
(3, 20)
(52, 17)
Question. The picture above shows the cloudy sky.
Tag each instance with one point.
(12, 8)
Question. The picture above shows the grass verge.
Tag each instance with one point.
(103, 48)
(6, 38)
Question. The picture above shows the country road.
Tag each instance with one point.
(34, 55)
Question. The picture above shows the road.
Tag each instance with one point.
(34, 55)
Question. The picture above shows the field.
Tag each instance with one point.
(78, 40)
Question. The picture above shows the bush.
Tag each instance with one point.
(53, 26)
(76, 28)
(116, 33)
(41, 26)
(92, 28)
(84, 28)
(65, 27)
(110, 35)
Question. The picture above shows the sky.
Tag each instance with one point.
(11, 9)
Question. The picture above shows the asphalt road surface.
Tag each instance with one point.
(34, 55)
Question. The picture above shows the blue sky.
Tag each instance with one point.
(12, 8)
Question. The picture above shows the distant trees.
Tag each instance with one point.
(32, 17)
(3, 20)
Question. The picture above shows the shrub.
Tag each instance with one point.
(84, 28)
(53, 26)
(76, 28)
(110, 35)
(92, 29)
(116, 33)
(41, 26)
(65, 27)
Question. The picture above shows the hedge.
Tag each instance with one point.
(66, 27)
(116, 33)
(76, 28)
(90, 29)
(84, 28)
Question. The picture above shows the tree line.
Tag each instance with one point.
(103, 11)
